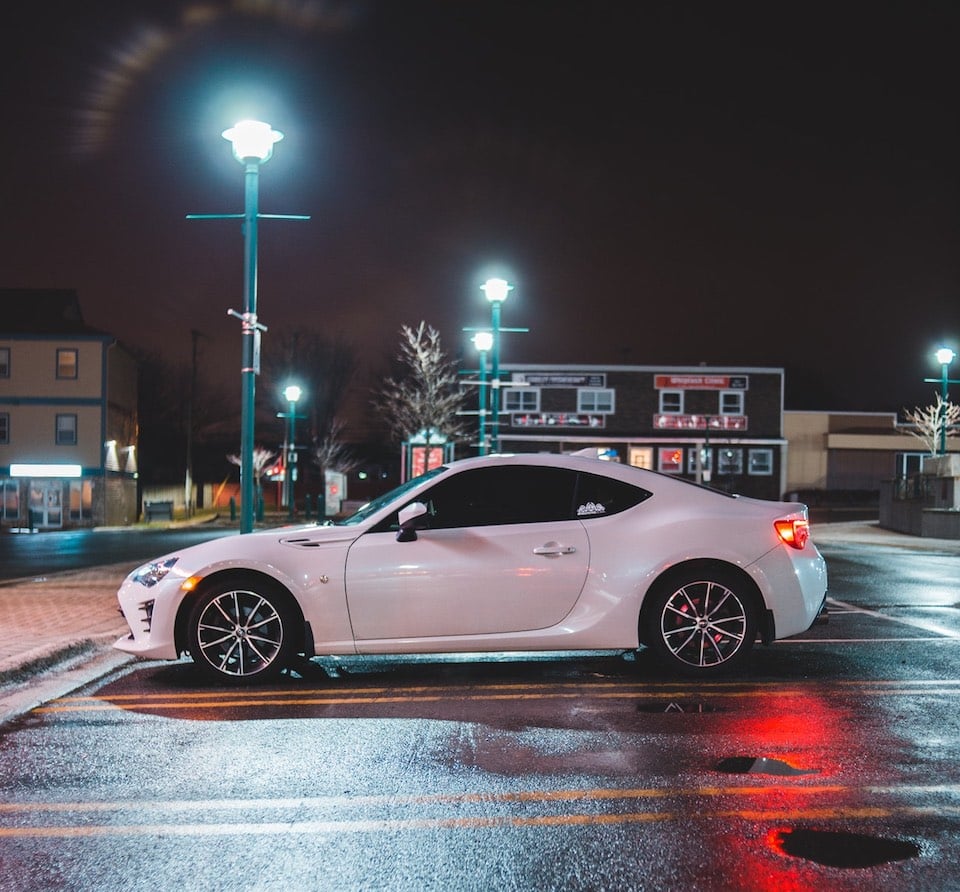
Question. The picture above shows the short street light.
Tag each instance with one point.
(291, 394)
(483, 341)
(253, 143)
(496, 291)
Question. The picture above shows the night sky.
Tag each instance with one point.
(769, 184)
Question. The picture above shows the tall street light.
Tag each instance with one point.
(496, 291)
(944, 356)
(291, 394)
(252, 143)
(483, 341)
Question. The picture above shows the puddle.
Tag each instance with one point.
(847, 850)
(678, 706)
(760, 765)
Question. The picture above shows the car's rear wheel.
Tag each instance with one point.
(241, 632)
(701, 623)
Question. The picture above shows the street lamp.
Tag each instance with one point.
(291, 394)
(496, 291)
(944, 356)
(483, 341)
(253, 143)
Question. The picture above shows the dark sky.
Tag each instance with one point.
(769, 184)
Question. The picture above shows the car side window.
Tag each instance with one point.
(599, 496)
(504, 495)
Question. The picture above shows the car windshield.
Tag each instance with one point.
(373, 506)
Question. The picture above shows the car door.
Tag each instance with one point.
(503, 553)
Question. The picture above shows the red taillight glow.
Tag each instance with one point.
(795, 533)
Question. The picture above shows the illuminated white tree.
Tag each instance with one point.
(932, 423)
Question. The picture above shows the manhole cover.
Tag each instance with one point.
(848, 850)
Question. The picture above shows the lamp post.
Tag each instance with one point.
(291, 394)
(252, 143)
(496, 291)
(483, 341)
(944, 356)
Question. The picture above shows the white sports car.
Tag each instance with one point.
(501, 553)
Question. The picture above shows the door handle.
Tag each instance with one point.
(554, 549)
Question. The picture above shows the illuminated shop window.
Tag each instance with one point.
(729, 460)
(521, 399)
(671, 402)
(731, 402)
(67, 430)
(66, 363)
(760, 462)
(595, 400)
(670, 460)
(641, 457)
(706, 460)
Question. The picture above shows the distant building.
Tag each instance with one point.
(68, 416)
(720, 425)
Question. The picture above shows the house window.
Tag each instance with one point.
(595, 400)
(729, 460)
(66, 363)
(521, 399)
(671, 460)
(4, 362)
(671, 402)
(4, 428)
(67, 430)
(731, 402)
(760, 462)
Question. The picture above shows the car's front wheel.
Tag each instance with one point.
(241, 632)
(701, 623)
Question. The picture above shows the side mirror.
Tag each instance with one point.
(412, 517)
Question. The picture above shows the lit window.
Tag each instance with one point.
(729, 461)
(66, 430)
(641, 457)
(760, 462)
(595, 400)
(671, 402)
(66, 363)
(4, 427)
(4, 362)
(731, 402)
(521, 399)
(671, 460)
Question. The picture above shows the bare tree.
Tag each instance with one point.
(261, 461)
(933, 423)
(425, 397)
(331, 453)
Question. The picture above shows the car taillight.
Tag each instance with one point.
(795, 533)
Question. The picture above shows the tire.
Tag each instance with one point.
(701, 624)
(241, 632)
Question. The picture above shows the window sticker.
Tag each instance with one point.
(590, 509)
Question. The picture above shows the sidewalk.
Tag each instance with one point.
(59, 629)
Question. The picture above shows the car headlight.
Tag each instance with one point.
(150, 574)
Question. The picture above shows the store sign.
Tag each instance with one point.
(700, 422)
(555, 379)
(700, 382)
(557, 419)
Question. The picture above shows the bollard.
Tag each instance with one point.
(259, 507)
(308, 506)
(233, 510)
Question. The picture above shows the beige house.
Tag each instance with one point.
(68, 416)
(849, 451)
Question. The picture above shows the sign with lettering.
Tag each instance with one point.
(700, 382)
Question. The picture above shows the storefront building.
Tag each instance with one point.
(68, 416)
(722, 426)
